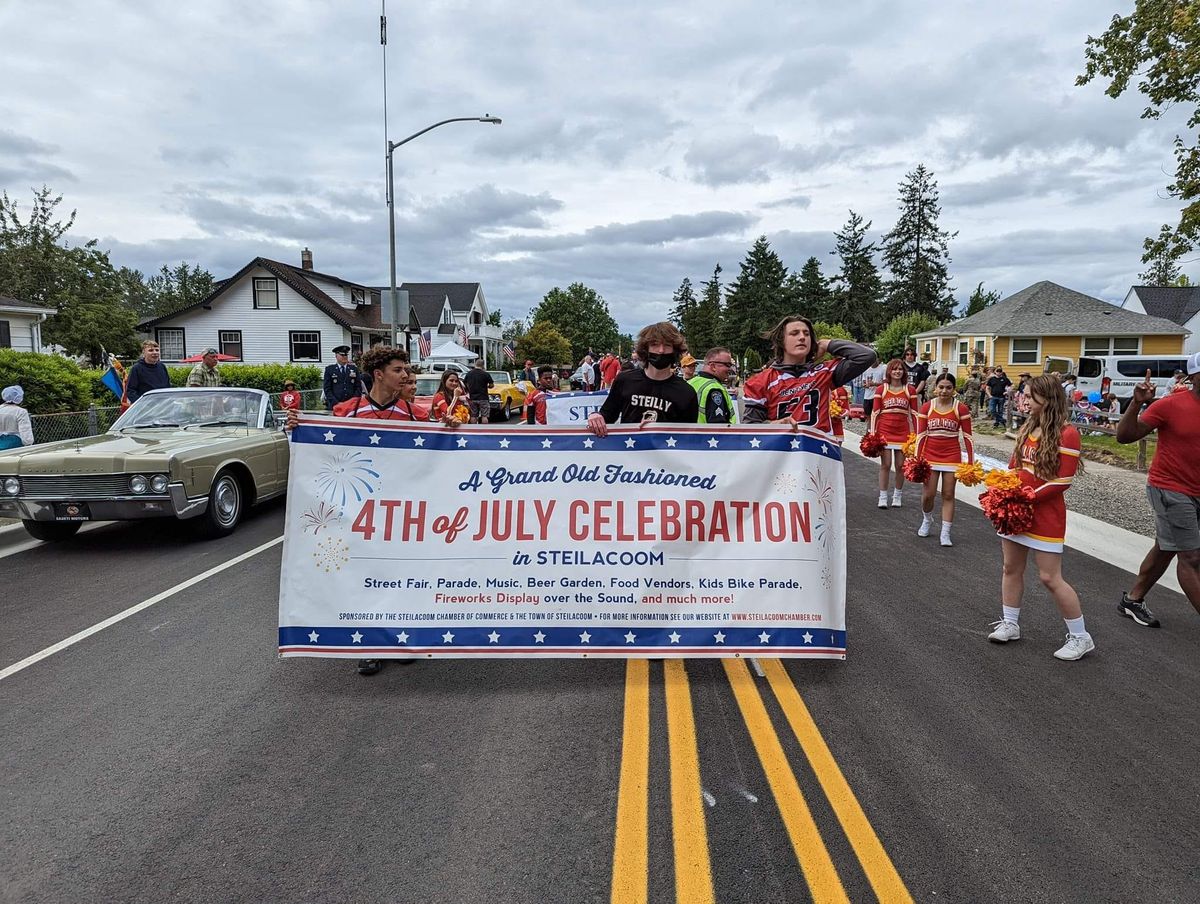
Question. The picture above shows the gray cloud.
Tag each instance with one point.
(803, 202)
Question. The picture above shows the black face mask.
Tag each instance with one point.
(661, 360)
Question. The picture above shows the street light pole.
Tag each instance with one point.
(391, 201)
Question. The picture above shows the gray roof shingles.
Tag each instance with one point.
(1048, 309)
(425, 298)
(1178, 304)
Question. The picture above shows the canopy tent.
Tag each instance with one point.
(451, 351)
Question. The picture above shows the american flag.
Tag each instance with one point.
(424, 344)
(462, 336)
(510, 351)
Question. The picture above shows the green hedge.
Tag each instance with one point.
(268, 377)
(51, 383)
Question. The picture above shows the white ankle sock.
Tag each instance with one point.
(1075, 626)
(1012, 614)
(945, 526)
(927, 517)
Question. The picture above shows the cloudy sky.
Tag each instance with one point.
(642, 141)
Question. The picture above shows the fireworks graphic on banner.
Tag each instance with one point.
(826, 576)
(345, 474)
(822, 489)
(785, 484)
(322, 516)
(331, 554)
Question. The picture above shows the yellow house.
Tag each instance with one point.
(1044, 321)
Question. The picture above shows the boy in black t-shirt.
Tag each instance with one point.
(654, 394)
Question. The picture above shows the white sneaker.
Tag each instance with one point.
(883, 499)
(1006, 631)
(926, 527)
(946, 538)
(1076, 647)
(896, 499)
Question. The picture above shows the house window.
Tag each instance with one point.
(170, 343)
(306, 346)
(358, 296)
(5, 334)
(356, 344)
(447, 315)
(1095, 346)
(1025, 351)
(964, 351)
(229, 342)
(1127, 345)
(266, 293)
(927, 349)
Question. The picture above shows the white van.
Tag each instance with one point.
(1118, 374)
(438, 367)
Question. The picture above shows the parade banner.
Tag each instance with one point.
(408, 540)
(573, 408)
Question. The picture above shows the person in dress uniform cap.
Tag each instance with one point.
(342, 380)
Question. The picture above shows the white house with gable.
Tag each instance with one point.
(1180, 304)
(271, 312)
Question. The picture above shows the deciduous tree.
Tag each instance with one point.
(581, 314)
(544, 344)
(1156, 44)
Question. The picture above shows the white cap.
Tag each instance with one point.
(1193, 364)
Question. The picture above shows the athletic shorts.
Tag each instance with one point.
(1176, 519)
(481, 410)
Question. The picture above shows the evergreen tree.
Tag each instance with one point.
(1163, 257)
(756, 300)
(858, 288)
(683, 311)
(708, 328)
(980, 299)
(917, 253)
(811, 292)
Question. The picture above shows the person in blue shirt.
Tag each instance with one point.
(147, 373)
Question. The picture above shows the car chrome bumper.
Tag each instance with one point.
(175, 504)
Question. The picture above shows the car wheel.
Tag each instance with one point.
(226, 503)
(52, 531)
(506, 415)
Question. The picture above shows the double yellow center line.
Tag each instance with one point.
(693, 871)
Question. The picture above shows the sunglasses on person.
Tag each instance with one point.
(719, 363)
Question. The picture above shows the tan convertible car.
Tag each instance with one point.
(202, 454)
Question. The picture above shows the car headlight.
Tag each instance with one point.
(138, 484)
(158, 483)
(12, 486)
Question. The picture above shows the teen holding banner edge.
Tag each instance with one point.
(796, 386)
(653, 395)
(390, 398)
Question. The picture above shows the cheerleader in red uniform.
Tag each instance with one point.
(1047, 452)
(842, 397)
(893, 417)
(943, 431)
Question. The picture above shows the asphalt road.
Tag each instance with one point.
(173, 757)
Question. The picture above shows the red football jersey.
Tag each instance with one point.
(804, 397)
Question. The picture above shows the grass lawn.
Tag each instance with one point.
(1106, 448)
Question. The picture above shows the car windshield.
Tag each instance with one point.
(427, 385)
(191, 408)
(499, 376)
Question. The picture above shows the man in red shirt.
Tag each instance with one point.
(535, 402)
(1173, 487)
(610, 366)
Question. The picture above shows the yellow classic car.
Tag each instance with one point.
(506, 398)
(204, 454)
